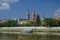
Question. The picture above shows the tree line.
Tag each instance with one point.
(47, 22)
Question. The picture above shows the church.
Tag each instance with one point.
(27, 19)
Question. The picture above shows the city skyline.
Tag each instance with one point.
(17, 8)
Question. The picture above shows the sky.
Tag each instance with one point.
(10, 9)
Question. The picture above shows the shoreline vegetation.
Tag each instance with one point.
(48, 22)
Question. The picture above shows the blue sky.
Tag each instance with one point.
(17, 8)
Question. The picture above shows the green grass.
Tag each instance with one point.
(48, 30)
(41, 30)
(10, 30)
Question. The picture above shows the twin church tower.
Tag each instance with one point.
(28, 15)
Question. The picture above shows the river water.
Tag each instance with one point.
(7, 36)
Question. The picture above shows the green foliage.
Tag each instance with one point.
(37, 22)
(25, 24)
(58, 22)
(46, 22)
(9, 23)
(50, 22)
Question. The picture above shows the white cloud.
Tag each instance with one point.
(58, 10)
(9, 1)
(57, 13)
(4, 6)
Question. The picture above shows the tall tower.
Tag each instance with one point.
(27, 15)
(34, 15)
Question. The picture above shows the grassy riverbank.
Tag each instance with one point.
(36, 29)
(41, 30)
(48, 30)
(7, 30)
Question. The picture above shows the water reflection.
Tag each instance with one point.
(31, 36)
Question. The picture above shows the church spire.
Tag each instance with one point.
(33, 14)
(27, 15)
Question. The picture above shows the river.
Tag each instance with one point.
(30, 36)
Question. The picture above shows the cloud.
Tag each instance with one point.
(57, 13)
(9, 1)
(4, 6)
(58, 10)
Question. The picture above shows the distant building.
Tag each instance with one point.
(1, 21)
(27, 19)
(33, 15)
(57, 18)
(27, 15)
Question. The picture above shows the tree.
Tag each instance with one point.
(58, 23)
(9, 23)
(50, 22)
(37, 22)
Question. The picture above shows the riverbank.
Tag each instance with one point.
(36, 29)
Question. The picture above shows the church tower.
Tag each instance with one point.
(27, 15)
(34, 15)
